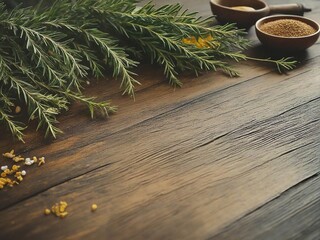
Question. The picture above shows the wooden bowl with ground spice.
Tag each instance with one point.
(287, 33)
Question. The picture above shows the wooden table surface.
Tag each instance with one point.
(219, 158)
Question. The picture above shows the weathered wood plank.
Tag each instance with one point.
(189, 182)
(294, 215)
(238, 101)
(208, 160)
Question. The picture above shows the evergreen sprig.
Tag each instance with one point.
(47, 53)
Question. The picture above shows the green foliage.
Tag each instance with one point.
(46, 53)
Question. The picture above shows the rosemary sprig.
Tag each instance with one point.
(47, 53)
(283, 64)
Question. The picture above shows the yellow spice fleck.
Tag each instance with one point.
(94, 207)
(47, 211)
(59, 209)
(20, 178)
(41, 161)
(63, 205)
(63, 214)
(15, 168)
(9, 154)
(3, 181)
(18, 159)
(200, 42)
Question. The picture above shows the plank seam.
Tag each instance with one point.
(46, 189)
(283, 193)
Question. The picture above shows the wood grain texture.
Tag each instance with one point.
(218, 159)
(295, 214)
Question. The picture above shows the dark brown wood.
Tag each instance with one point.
(295, 214)
(219, 158)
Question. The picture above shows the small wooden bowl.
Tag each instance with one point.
(224, 12)
(287, 44)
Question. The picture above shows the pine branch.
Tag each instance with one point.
(116, 58)
(6, 117)
(283, 64)
(15, 128)
(42, 107)
(90, 57)
(104, 108)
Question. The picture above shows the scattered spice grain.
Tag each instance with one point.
(94, 207)
(10, 177)
(59, 209)
(9, 154)
(41, 161)
(201, 42)
(18, 158)
(28, 162)
(4, 167)
(15, 168)
(47, 211)
(287, 28)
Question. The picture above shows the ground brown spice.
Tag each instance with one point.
(287, 28)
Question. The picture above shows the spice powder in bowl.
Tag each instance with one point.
(287, 33)
(287, 28)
